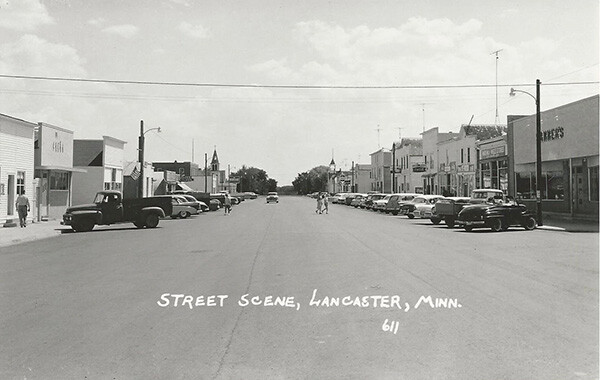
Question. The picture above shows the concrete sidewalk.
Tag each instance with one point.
(33, 231)
(554, 222)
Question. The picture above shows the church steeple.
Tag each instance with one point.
(214, 164)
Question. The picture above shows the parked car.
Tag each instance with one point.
(201, 205)
(396, 201)
(349, 198)
(357, 200)
(250, 195)
(272, 197)
(334, 198)
(214, 205)
(110, 208)
(182, 208)
(379, 205)
(448, 211)
(423, 205)
(496, 214)
(342, 198)
(372, 198)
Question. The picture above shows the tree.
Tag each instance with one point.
(314, 180)
(254, 179)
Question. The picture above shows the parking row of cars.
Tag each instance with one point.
(186, 203)
(487, 208)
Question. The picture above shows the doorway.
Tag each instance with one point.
(10, 207)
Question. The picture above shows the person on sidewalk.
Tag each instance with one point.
(23, 208)
(227, 204)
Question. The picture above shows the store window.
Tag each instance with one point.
(503, 175)
(593, 174)
(20, 183)
(486, 175)
(59, 181)
(552, 185)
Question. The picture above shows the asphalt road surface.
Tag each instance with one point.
(101, 305)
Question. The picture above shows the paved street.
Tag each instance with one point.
(94, 305)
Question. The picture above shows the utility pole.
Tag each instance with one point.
(206, 172)
(538, 148)
(352, 179)
(192, 150)
(496, 53)
(394, 167)
(141, 160)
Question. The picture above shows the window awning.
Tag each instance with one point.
(183, 186)
(50, 167)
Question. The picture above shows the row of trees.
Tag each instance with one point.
(254, 179)
(311, 181)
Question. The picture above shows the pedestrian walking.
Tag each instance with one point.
(319, 204)
(23, 208)
(325, 203)
(227, 204)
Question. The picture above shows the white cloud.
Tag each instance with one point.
(24, 15)
(96, 21)
(194, 31)
(33, 55)
(125, 31)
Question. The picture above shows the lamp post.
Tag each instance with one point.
(141, 156)
(538, 148)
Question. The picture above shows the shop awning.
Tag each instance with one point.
(44, 167)
(183, 186)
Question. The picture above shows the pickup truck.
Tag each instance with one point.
(110, 208)
(448, 209)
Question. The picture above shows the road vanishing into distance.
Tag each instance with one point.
(276, 291)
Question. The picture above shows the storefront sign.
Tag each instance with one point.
(56, 147)
(493, 152)
(553, 134)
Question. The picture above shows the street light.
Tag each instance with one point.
(141, 156)
(538, 148)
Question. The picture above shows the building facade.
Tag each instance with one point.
(381, 176)
(492, 172)
(362, 178)
(16, 167)
(54, 168)
(431, 138)
(569, 139)
(409, 164)
(101, 167)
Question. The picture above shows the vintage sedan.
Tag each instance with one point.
(272, 197)
(201, 205)
(379, 205)
(423, 210)
(368, 203)
(496, 215)
(182, 208)
(396, 201)
(357, 200)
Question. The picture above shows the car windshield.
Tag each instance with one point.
(387, 197)
(419, 200)
(272, 193)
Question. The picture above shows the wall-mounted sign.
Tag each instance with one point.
(493, 152)
(56, 147)
(553, 134)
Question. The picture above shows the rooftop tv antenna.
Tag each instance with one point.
(496, 54)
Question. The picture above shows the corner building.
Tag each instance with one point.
(569, 158)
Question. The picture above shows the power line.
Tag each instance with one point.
(246, 85)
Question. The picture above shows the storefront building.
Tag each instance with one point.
(409, 166)
(431, 138)
(16, 167)
(381, 176)
(102, 164)
(492, 172)
(53, 168)
(569, 183)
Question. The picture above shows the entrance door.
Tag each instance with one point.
(10, 207)
(579, 188)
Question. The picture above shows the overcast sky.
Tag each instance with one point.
(299, 43)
